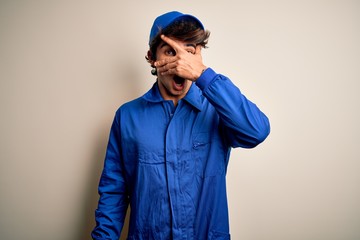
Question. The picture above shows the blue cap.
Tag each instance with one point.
(167, 19)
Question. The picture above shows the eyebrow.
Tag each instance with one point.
(191, 45)
(164, 44)
(186, 45)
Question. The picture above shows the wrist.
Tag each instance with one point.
(206, 78)
(200, 72)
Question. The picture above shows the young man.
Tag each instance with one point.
(168, 150)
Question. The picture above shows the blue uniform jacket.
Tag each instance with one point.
(169, 163)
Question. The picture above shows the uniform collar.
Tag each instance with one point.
(193, 97)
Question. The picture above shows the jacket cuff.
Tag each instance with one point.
(205, 78)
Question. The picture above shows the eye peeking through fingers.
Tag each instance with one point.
(170, 52)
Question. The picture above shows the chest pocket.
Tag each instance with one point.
(208, 155)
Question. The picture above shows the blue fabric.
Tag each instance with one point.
(165, 20)
(169, 163)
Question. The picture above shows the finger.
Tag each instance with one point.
(169, 71)
(166, 67)
(165, 61)
(171, 43)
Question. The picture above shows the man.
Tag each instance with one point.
(168, 150)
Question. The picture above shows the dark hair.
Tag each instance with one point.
(184, 30)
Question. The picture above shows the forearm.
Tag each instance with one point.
(114, 199)
(245, 125)
(111, 211)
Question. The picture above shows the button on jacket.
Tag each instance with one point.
(169, 163)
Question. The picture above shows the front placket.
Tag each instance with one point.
(171, 161)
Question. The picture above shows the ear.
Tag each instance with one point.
(150, 58)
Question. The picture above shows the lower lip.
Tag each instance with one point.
(178, 87)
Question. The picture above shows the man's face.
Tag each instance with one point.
(173, 87)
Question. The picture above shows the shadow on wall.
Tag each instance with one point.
(128, 83)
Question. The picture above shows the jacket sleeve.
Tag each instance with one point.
(113, 202)
(244, 125)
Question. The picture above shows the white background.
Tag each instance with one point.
(66, 66)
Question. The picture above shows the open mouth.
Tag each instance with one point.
(179, 80)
